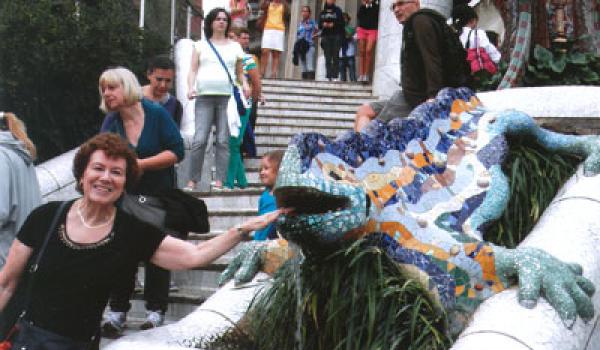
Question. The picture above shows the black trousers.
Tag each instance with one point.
(248, 144)
(331, 49)
(156, 289)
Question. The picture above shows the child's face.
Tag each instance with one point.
(268, 172)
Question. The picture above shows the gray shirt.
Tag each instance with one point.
(19, 190)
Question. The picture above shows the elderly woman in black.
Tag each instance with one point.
(94, 242)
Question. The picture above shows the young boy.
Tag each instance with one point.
(347, 61)
(269, 168)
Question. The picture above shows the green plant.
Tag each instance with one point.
(555, 67)
(356, 298)
(535, 177)
(484, 81)
(51, 55)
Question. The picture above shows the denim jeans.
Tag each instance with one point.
(210, 110)
(308, 63)
(331, 49)
(347, 63)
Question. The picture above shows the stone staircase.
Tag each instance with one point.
(292, 106)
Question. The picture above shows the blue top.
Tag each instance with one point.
(306, 29)
(159, 134)
(174, 108)
(266, 204)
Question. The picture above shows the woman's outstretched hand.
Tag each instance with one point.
(260, 222)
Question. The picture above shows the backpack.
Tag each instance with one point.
(478, 58)
(457, 72)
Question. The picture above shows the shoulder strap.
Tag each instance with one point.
(469, 39)
(34, 267)
(221, 60)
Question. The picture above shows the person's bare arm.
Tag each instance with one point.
(18, 255)
(192, 74)
(254, 76)
(175, 254)
(162, 160)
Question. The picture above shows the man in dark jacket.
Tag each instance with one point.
(422, 68)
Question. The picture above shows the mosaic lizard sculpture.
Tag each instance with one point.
(423, 189)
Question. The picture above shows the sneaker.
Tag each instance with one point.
(113, 324)
(153, 319)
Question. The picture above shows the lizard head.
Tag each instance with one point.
(324, 210)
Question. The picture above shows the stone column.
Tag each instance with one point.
(386, 75)
(291, 71)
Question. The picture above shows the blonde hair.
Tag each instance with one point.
(275, 157)
(19, 131)
(132, 90)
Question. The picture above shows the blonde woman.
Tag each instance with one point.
(151, 132)
(19, 188)
(275, 12)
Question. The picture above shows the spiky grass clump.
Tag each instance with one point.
(356, 298)
(534, 176)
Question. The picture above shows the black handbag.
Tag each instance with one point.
(24, 334)
(31, 337)
(241, 108)
(172, 211)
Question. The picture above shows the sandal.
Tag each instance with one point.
(216, 187)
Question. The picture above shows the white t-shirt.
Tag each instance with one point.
(211, 78)
(484, 42)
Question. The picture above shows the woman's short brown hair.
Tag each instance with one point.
(113, 146)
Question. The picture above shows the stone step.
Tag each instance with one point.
(252, 163)
(236, 199)
(285, 121)
(224, 218)
(317, 84)
(262, 149)
(321, 115)
(284, 138)
(302, 106)
(276, 129)
(316, 99)
(315, 91)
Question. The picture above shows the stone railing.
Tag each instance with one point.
(56, 177)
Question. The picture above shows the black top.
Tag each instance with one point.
(368, 17)
(73, 281)
(332, 14)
